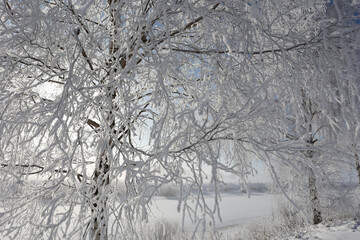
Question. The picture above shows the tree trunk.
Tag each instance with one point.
(357, 166)
(309, 154)
(314, 200)
(101, 178)
(100, 184)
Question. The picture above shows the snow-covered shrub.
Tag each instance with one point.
(285, 221)
(164, 230)
(289, 218)
(340, 201)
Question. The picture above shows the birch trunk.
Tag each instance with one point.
(309, 115)
(101, 178)
(314, 200)
(101, 175)
(357, 166)
(99, 221)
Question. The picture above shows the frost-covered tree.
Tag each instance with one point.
(341, 55)
(319, 113)
(98, 93)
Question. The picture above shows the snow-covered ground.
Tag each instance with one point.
(235, 209)
(346, 230)
(238, 210)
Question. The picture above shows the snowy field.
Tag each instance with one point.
(240, 213)
(346, 230)
(236, 208)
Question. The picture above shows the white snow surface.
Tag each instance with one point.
(235, 209)
(345, 230)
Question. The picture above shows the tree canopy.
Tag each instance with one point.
(146, 93)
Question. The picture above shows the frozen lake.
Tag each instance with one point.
(235, 209)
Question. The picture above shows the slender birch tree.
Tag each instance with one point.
(94, 93)
(144, 92)
(318, 116)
